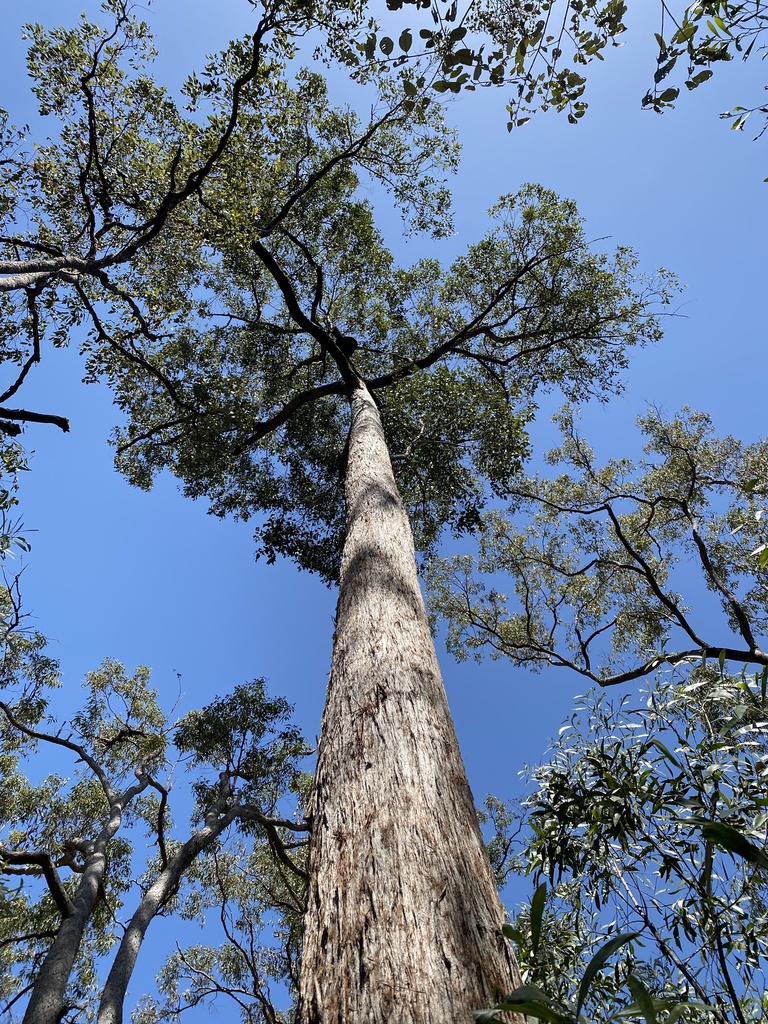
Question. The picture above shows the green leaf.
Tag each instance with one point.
(405, 41)
(532, 1002)
(697, 80)
(669, 95)
(512, 933)
(642, 997)
(386, 46)
(664, 750)
(537, 912)
(598, 961)
(730, 839)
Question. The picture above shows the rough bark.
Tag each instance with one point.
(403, 921)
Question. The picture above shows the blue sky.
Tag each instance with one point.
(150, 579)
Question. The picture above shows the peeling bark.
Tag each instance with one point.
(403, 921)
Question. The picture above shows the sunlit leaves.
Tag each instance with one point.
(668, 844)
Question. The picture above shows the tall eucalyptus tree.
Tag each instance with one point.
(265, 347)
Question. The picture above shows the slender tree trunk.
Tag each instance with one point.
(46, 1003)
(115, 990)
(403, 921)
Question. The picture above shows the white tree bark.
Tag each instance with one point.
(217, 819)
(47, 1003)
(403, 921)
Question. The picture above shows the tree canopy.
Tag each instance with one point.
(593, 559)
(540, 51)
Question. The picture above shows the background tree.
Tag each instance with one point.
(72, 841)
(602, 554)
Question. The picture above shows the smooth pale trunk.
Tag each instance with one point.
(46, 1003)
(111, 1006)
(403, 921)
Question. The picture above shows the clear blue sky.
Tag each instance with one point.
(150, 579)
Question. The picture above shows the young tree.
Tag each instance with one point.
(265, 347)
(647, 821)
(648, 817)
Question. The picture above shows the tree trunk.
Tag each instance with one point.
(403, 921)
(46, 1002)
(111, 1005)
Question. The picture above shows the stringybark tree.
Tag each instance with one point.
(315, 335)
(263, 344)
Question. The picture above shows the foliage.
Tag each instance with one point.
(592, 556)
(250, 407)
(540, 49)
(649, 817)
(109, 793)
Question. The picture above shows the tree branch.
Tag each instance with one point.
(30, 863)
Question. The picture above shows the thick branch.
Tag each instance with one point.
(28, 862)
(61, 741)
(324, 338)
(27, 416)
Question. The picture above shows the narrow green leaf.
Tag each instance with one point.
(730, 839)
(532, 1002)
(598, 961)
(537, 912)
(665, 751)
(643, 998)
